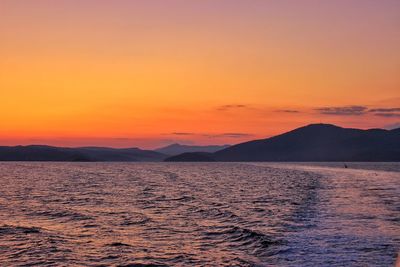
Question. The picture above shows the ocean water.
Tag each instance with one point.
(199, 214)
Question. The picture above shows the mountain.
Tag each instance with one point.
(176, 149)
(49, 153)
(317, 142)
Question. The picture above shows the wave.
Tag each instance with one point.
(52, 214)
(255, 241)
(13, 230)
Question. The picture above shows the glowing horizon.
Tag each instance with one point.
(150, 73)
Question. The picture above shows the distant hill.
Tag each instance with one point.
(49, 153)
(191, 157)
(317, 142)
(176, 149)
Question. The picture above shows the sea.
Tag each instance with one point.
(199, 214)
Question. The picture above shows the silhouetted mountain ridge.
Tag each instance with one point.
(315, 142)
(50, 153)
(318, 142)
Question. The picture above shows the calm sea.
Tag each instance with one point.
(199, 214)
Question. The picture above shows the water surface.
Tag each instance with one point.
(198, 214)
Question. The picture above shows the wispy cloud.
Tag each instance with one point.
(212, 135)
(343, 111)
(232, 107)
(182, 133)
(384, 110)
(387, 114)
(230, 135)
(288, 111)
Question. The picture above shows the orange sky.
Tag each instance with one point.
(148, 73)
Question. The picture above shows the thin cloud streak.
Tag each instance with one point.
(232, 107)
(214, 135)
(343, 111)
(229, 135)
(385, 110)
(288, 111)
(388, 115)
(182, 133)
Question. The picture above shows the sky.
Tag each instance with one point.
(150, 73)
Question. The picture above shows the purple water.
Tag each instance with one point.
(198, 214)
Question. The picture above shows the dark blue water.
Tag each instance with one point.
(200, 214)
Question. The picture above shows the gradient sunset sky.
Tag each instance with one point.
(153, 72)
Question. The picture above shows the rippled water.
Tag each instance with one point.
(200, 214)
